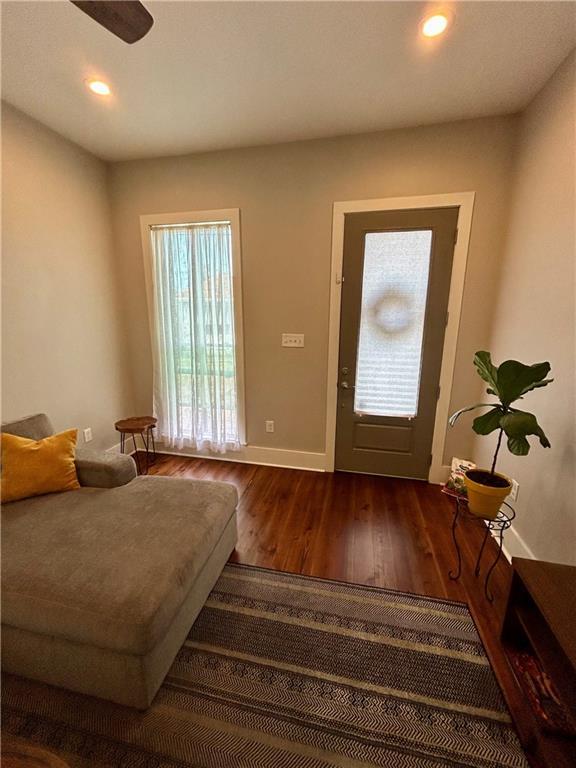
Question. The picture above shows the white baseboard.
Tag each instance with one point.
(280, 457)
(116, 449)
(272, 457)
(256, 454)
(515, 546)
(439, 474)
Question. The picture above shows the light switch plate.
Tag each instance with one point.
(292, 339)
(87, 434)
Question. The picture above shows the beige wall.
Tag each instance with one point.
(75, 328)
(61, 329)
(285, 193)
(534, 317)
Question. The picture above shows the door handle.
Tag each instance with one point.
(345, 385)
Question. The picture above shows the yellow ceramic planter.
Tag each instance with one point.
(485, 500)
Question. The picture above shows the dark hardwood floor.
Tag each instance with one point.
(369, 530)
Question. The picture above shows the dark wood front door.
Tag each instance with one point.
(396, 272)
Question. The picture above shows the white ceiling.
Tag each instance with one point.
(211, 75)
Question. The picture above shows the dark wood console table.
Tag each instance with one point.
(539, 637)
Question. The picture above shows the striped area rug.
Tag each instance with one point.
(285, 671)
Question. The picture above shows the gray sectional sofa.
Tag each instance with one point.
(101, 585)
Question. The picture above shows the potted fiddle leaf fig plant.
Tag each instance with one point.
(508, 383)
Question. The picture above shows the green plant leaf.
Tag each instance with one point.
(536, 384)
(544, 442)
(452, 420)
(519, 446)
(488, 422)
(519, 425)
(514, 379)
(487, 371)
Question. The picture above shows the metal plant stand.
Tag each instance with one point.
(501, 523)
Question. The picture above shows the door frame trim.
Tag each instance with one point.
(465, 202)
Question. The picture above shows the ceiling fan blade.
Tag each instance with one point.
(127, 19)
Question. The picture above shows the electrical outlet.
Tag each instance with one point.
(269, 426)
(87, 434)
(513, 495)
(292, 339)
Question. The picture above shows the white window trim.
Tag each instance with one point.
(465, 202)
(231, 215)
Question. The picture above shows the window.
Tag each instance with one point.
(193, 275)
(394, 291)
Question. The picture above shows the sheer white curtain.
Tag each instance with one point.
(195, 382)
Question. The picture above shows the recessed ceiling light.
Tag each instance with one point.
(99, 87)
(435, 25)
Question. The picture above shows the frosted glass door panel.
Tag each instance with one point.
(394, 291)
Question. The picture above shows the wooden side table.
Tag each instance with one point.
(138, 425)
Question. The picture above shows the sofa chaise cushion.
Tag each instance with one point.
(110, 567)
(98, 469)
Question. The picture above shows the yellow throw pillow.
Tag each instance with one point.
(34, 467)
